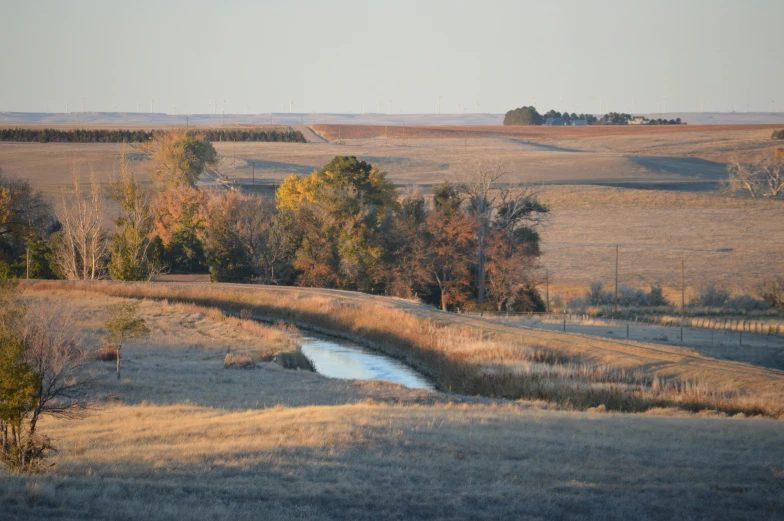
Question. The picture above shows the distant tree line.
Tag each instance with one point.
(238, 134)
(589, 119)
(659, 121)
(472, 244)
(49, 135)
(530, 116)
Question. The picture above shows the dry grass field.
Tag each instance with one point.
(180, 437)
(650, 190)
(478, 356)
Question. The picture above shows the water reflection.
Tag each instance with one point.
(337, 358)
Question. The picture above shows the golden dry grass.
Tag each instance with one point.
(479, 357)
(370, 462)
(182, 438)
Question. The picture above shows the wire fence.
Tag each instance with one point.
(773, 327)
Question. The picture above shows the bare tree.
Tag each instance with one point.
(496, 202)
(763, 178)
(81, 252)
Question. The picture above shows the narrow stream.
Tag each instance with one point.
(338, 358)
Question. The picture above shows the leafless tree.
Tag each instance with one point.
(495, 201)
(763, 178)
(81, 254)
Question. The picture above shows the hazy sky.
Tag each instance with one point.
(335, 56)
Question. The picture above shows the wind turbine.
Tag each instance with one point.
(438, 109)
(82, 103)
(664, 104)
(152, 104)
(477, 107)
(389, 106)
(291, 105)
(137, 107)
(66, 107)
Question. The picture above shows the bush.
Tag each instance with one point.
(627, 297)
(238, 362)
(711, 297)
(777, 134)
(656, 297)
(772, 292)
(293, 360)
(107, 353)
(747, 303)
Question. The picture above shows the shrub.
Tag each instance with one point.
(777, 134)
(711, 297)
(293, 360)
(772, 292)
(107, 353)
(747, 303)
(656, 297)
(243, 361)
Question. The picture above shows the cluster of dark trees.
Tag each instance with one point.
(472, 244)
(590, 119)
(530, 116)
(49, 135)
(660, 121)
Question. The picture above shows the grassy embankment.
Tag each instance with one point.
(469, 360)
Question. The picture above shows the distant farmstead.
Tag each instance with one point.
(579, 122)
(637, 120)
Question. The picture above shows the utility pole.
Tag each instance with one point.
(616, 279)
(547, 290)
(683, 297)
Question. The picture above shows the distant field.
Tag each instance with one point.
(724, 242)
(650, 190)
(333, 132)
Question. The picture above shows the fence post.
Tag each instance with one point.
(627, 330)
(564, 328)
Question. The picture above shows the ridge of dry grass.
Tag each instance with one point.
(466, 360)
